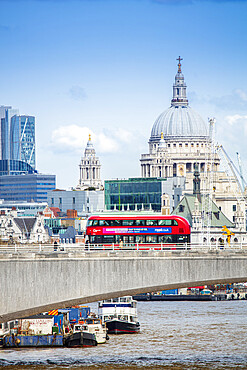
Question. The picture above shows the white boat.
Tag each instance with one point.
(119, 315)
(93, 325)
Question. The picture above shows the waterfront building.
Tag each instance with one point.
(23, 208)
(208, 222)
(28, 187)
(89, 169)
(142, 193)
(180, 139)
(22, 139)
(15, 229)
(83, 201)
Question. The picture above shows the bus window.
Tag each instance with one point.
(151, 222)
(95, 223)
(128, 222)
(140, 222)
(95, 239)
(175, 223)
(90, 223)
(166, 239)
(125, 239)
(115, 222)
(131, 239)
(151, 239)
(101, 222)
(108, 239)
(165, 222)
(140, 239)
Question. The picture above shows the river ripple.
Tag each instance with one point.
(174, 335)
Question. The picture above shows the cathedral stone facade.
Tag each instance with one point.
(181, 140)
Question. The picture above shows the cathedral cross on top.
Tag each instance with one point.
(179, 64)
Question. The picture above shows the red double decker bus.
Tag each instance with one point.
(134, 229)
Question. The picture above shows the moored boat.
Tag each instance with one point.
(93, 324)
(80, 339)
(119, 315)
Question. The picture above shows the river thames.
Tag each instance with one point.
(174, 335)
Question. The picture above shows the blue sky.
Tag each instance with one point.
(107, 67)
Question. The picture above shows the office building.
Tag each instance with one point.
(6, 114)
(26, 187)
(22, 139)
(142, 193)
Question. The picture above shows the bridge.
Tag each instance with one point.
(34, 279)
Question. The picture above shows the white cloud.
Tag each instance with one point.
(73, 138)
(241, 120)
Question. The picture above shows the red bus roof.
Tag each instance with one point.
(138, 217)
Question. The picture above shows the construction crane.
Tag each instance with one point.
(231, 166)
(244, 184)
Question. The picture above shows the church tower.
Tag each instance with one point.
(89, 169)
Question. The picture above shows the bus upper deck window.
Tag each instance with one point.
(95, 223)
(115, 222)
(128, 222)
(151, 222)
(140, 222)
(165, 222)
(90, 223)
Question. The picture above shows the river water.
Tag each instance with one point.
(174, 335)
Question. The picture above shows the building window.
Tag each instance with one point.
(60, 200)
(174, 145)
(234, 207)
(73, 200)
(180, 145)
(181, 208)
(52, 201)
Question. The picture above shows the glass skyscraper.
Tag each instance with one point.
(6, 113)
(19, 180)
(22, 139)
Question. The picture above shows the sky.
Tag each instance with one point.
(107, 67)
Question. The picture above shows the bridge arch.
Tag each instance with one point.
(37, 284)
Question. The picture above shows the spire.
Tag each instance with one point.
(179, 88)
(179, 64)
(89, 143)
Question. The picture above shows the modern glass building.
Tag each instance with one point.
(6, 115)
(28, 187)
(22, 139)
(142, 193)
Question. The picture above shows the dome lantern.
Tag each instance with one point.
(179, 121)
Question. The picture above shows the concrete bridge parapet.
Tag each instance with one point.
(31, 283)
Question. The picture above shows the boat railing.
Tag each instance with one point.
(87, 249)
